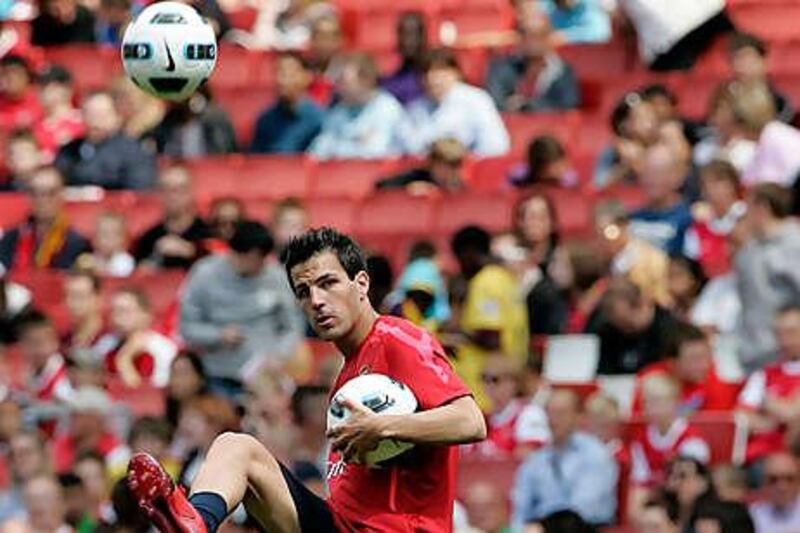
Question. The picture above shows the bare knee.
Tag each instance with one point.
(244, 447)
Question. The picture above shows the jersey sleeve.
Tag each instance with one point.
(752, 396)
(420, 364)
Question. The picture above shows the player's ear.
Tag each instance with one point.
(362, 282)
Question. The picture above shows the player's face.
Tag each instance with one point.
(331, 301)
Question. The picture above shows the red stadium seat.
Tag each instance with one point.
(492, 212)
(14, 208)
(776, 22)
(524, 127)
(47, 288)
(574, 210)
(597, 61)
(145, 400)
(234, 69)
(144, 210)
(161, 288)
(491, 174)
(339, 213)
(395, 213)
(216, 176)
(273, 176)
(92, 67)
(498, 473)
(245, 105)
(346, 178)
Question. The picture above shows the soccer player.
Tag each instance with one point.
(327, 272)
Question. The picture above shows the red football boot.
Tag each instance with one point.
(165, 504)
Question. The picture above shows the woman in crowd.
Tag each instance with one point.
(187, 381)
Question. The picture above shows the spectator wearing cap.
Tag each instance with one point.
(293, 121)
(747, 56)
(88, 431)
(178, 240)
(779, 511)
(766, 272)
(442, 171)
(45, 240)
(406, 83)
(578, 21)
(533, 78)
(62, 123)
(238, 311)
(62, 22)
(440, 113)
(365, 123)
(19, 104)
(105, 157)
(23, 158)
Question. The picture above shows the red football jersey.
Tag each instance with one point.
(416, 491)
(652, 451)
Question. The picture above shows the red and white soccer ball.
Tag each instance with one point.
(384, 396)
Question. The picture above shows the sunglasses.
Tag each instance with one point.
(773, 479)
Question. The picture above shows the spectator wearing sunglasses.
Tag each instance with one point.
(780, 510)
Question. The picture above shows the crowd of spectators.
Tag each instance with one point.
(703, 259)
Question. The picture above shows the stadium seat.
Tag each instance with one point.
(162, 288)
(145, 212)
(273, 176)
(47, 289)
(144, 400)
(597, 61)
(491, 174)
(234, 70)
(492, 212)
(216, 176)
(498, 473)
(631, 196)
(339, 213)
(346, 178)
(775, 22)
(524, 127)
(92, 67)
(574, 210)
(82, 216)
(14, 207)
(244, 105)
(395, 213)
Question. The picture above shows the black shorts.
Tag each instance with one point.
(313, 512)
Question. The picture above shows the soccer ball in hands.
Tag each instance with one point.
(384, 396)
(169, 50)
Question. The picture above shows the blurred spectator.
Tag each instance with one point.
(91, 468)
(178, 240)
(691, 366)
(603, 420)
(665, 105)
(533, 78)
(38, 342)
(578, 21)
(406, 83)
(440, 113)
(112, 19)
(16, 42)
(487, 508)
(420, 294)
(110, 255)
(640, 262)
(634, 124)
(672, 36)
(153, 435)
(62, 123)
(723, 517)
(22, 158)
(212, 11)
(224, 215)
(442, 171)
(27, 459)
(768, 398)
(715, 218)
(201, 421)
(62, 22)
(105, 156)
(290, 218)
(633, 330)
(547, 165)
(284, 25)
(780, 510)
(493, 317)
(685, 281)
(187, 380)
(776, 157)
(46, 239)
(10, 423)
(665, 217)
(689, 480)
(268, 416)
(733, 129)
(666, 436)
(44, 507)
(574, 473)
(19, 103)
(133, 351)
(325, 48)
(15, 302)
(292, 122)
(139, 111)
(76, 504)
(747, 56)
(767, 279)
(365, 122)
(85, 308)
(309, 404)
(566, 521)
(88, 431)
(195, 128)
(239, 311)
(659, 515)
(129, 517)
(730, 483)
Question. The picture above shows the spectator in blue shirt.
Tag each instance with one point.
(576, 472)
(406, 84)
(664, 219)
(579, 21)
(294, 120)
(366, 122)
(533, 78)
(454, 109)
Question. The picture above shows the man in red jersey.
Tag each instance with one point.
(327, 272)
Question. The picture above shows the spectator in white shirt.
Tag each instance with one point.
(780, 511)
(454, 109)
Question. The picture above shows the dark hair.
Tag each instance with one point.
(440, 58)
(249, 236)
(472, 238)
(55, 74)
(69, 480)
(658, 89)
(33, 319)
(138, 294)
(296, 57)
(721, 170)
(667, 501)
(694, 267)
(684, 333)
(299, 396)
(778, 199)
(86, 274)
(740, 40)
(566, 521)
(423, 249)
(542, 151)
(150, 425)
(22, 134)
(623, 110)
(416, 16)
(14, 60)
(793, 307)
(623, 290)
(173, 406)
(326, 239)
(126, 508)
(554, 236)
(732, 517)
(90, 455)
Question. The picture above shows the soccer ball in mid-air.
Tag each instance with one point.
(169, 50)
(384, 396)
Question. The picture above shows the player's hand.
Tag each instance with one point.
(232, 335)
(359, 435)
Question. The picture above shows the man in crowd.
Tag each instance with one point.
(406, 83)
(105, 156)
(779, 512)
(27, 459)
(23, 157)
(179, 239)
(576, 472)
(294, 119)
(62, 22)
(19, 103)
(84, 304)
(44, 506)
(238, 311)
(61, 123)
